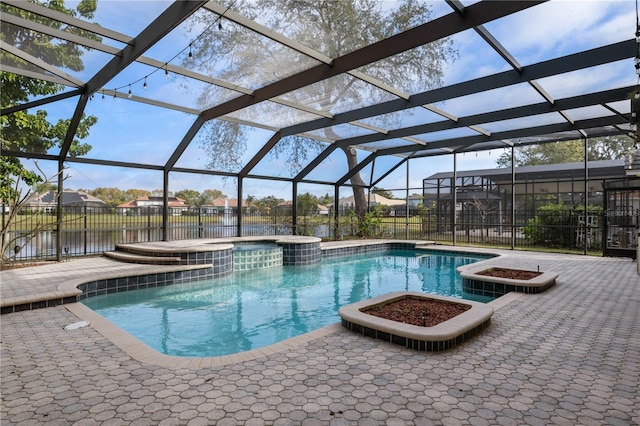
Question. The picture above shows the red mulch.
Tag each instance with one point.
(515, 274)
(418, 311)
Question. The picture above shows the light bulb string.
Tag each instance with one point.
(164, 66)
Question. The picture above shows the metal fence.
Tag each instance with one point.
(92, 231)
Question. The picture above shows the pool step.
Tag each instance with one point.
(140, 258)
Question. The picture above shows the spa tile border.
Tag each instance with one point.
(294, 254)
(139, 282)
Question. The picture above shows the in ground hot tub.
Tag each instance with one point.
(249, 255)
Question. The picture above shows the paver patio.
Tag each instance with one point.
(568, 356)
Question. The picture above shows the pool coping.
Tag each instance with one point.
(144, 353)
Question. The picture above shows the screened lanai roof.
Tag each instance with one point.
(164, 79)
(603, 169)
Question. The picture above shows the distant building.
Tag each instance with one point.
(152, 205)
(323, 210)
(48, 201)
(374, 200)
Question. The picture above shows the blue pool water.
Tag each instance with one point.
(251, 309)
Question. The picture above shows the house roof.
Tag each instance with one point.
(173, 202)
(375, 198)
(68, 198)
(597, 169)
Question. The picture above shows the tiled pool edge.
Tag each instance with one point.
(296, 251)
(146, 354)
(198, 261)
(73, 290)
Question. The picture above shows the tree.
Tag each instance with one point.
(307, 205)
(112, 196)
(32, 132)
(212, 194)
(134, 194)
(333, 28)
(191, 197)
(382, 192)
(605, 148)
(325, 200)
(250, 200)
(268, 204)
(12, 241)
(160, 193)
(484, 206)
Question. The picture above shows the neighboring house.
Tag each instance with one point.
(152, 205)
(374, 200)
(285, 207)
(48, 202)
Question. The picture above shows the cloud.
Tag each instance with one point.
(558, 28)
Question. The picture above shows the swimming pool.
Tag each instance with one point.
(252, 309)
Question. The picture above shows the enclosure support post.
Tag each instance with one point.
(294, 208)
(585, 229)
(59, 211)
(406, 236)
(454, 190)
(513, 197)
(165, 205)
(239, 222)
(336, 206)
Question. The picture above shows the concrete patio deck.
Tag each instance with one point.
(568, 356)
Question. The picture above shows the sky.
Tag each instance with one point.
(131, 131)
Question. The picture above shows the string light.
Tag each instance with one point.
(218, 20)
